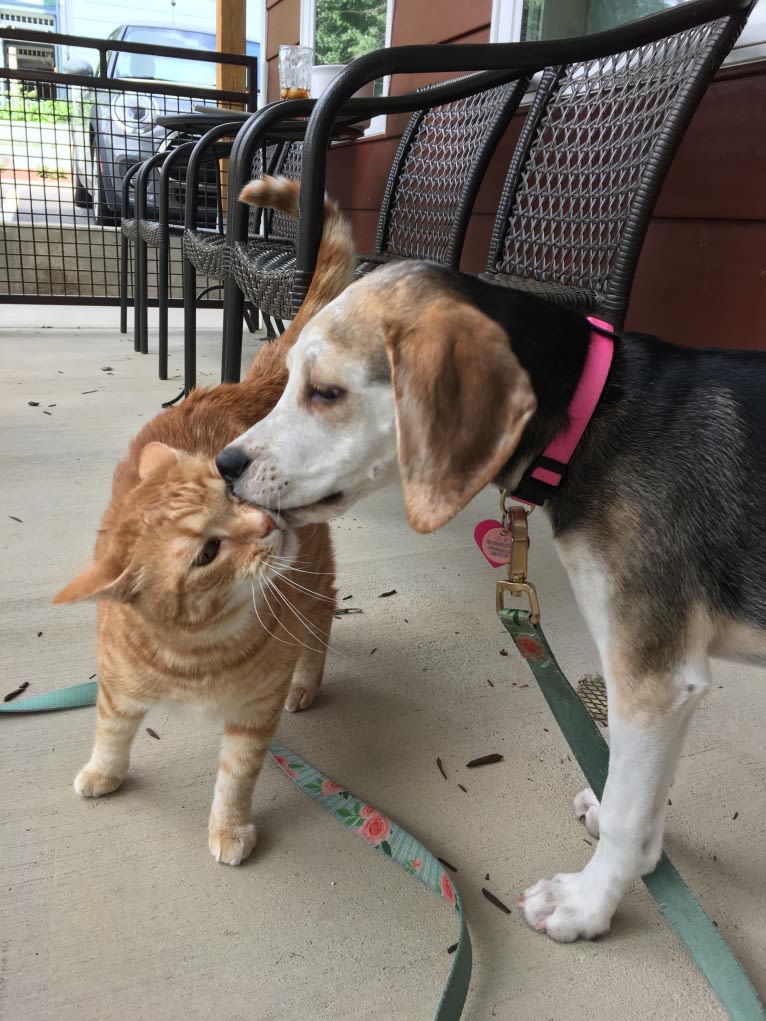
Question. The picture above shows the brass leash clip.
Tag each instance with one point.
(515, 518)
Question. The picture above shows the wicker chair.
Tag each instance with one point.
(452, 142)
(208, 251)
(272, 236)
(599, 136)
(160, 175)
(432, 185)
(205, 250)
(594, 151)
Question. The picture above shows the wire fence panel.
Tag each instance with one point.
(67, 140)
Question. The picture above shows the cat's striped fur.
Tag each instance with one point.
(202, 600)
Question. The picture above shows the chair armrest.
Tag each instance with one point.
(255, 132)
(126, 183)
(200, 149)
(180, 153)
(142, 182)
(288, 119)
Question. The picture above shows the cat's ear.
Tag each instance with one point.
(104, 580)
(155, 456)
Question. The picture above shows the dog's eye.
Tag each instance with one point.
(208, 554)
(319, 394)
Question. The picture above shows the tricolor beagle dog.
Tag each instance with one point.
(659, 516)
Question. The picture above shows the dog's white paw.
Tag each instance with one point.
(586, 808)
(565, 909)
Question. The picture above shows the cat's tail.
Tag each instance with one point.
(336, 259)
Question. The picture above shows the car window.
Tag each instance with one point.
(167, 69)
(112, 35)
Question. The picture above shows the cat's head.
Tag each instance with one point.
(183, 549)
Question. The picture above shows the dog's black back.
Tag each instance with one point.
(669, 480)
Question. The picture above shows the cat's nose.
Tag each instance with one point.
(231, 463)
(266, 524)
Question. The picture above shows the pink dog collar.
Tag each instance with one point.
(546, 472)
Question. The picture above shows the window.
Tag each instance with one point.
(528, 20)
(340, 30)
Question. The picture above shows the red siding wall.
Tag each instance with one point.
(283, 28)
(702, 274)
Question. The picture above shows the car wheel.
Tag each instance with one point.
(82, 197)
(102, 214)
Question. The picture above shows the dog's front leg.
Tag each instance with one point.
(649, 712)
(631, 819)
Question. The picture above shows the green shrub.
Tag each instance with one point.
(23, 105)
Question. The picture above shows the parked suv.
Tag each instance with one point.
(114, 128)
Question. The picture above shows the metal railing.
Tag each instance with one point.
(67, 140)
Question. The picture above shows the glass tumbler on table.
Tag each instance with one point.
(295, 63)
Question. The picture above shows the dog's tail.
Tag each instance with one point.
(335, 260)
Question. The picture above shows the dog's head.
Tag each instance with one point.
(400, 367)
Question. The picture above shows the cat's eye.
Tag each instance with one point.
(208, 554)
(319, 394)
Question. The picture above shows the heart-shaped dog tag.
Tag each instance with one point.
(494, 541)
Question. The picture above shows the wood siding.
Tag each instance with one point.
(283, 28)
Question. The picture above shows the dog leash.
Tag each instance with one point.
(365, 821)
(675, 900)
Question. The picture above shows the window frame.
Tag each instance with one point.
(505, 27)
(308, 22)
(377, 125)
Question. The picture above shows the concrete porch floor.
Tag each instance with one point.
(115, 909)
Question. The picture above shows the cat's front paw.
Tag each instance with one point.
(91, 784)
(232, 846)
(300, 696)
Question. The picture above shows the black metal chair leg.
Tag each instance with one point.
(163, 265)
(190, 326)
(271, 333)
(233, 319)
(124, 281)
(143, 311)
(138, 295)
(250, 314)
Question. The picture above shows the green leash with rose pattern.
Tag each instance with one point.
(366, 822)
(674, 899)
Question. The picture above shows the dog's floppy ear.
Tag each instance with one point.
(462, 401)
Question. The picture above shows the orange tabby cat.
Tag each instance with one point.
(203, 599)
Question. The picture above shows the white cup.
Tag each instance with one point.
(323, 74)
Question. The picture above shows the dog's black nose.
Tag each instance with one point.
(231, 462)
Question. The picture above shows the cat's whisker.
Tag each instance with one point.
(312, 533)
(309, 591)
(179, 627)
(287, 564)
(260, 620)
(297, 613)
(296, 640)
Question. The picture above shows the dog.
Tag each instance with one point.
(658, 517)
